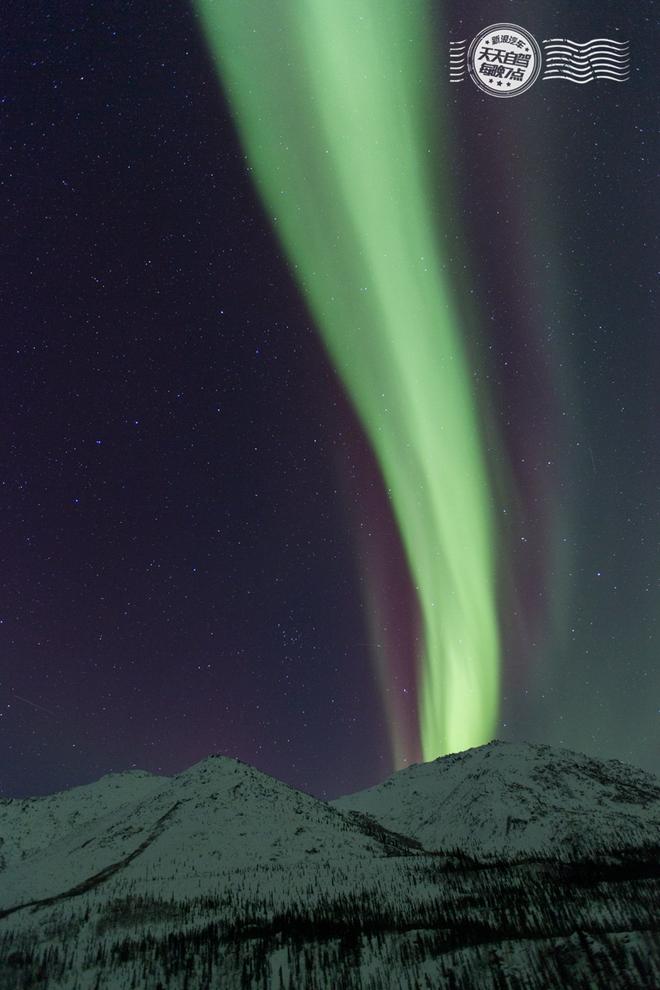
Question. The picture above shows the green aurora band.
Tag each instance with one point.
(334, 104)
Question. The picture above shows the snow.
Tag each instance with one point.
(511, 865)
(507, 799)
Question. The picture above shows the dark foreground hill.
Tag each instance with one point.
(508, 866)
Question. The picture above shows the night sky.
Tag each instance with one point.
(198, 549)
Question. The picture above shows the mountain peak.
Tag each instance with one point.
(504, 799)
(224, 863)
(216, 764)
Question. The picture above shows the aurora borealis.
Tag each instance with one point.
(344, 168)
(330, 405)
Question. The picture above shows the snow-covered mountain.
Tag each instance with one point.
(218, 814)
(30, 825)
(508, 866)
(511, 799)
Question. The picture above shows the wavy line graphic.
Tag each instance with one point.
(600, 58)
(587, 77)
(595, 63)
(617, 63)
(586, 44)
(589, 58)
(584, 75)
(595, 71)
(599, 53)
(457, 61)
(580, 52)
(619, 52)
(581, 82)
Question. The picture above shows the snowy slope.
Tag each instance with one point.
(508, 799)
(222, 876)
(217, 815)
(29, 825)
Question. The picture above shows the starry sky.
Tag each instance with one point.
(200, 547)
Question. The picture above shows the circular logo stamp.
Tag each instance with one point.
(504, 60)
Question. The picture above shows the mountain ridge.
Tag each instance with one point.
(516, 798)
(463, 869)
